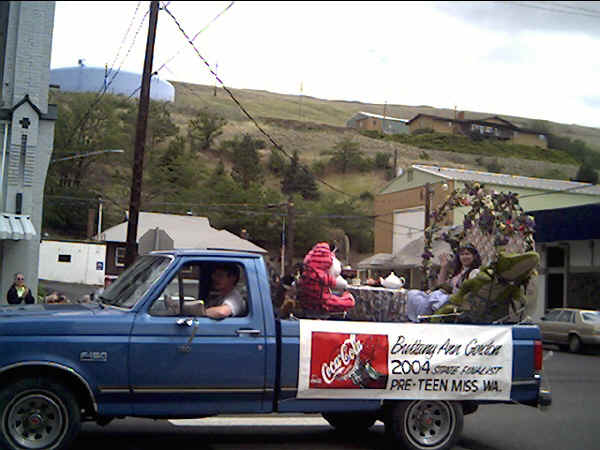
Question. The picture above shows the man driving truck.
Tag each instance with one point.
(228, 301)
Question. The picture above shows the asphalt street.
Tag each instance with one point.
(571, 423)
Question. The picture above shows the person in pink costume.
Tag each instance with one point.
(320, 274)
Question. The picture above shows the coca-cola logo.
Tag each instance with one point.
(343, 361)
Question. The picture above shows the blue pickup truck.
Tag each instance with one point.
(130, 354)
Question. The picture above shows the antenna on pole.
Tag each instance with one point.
(216, 71)
(300, 101)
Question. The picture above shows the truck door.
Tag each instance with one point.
(185, 364)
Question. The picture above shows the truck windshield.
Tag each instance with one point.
(135, 281)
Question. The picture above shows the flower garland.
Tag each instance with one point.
(497, 214)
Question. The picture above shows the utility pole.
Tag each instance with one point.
(291, 225)
(140, 140)
(384, 115)
(428, 193)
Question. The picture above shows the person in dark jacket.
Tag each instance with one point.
(18, 292)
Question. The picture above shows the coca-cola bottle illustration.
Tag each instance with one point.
(348, 361)
(370, 368)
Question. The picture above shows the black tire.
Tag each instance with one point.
(574, 344)
(353, 422)
(426, 424)
(38, 413)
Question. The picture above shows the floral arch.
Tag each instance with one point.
(495, 223)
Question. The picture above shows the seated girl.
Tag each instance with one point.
(466, 266)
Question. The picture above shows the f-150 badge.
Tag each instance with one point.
(93, 356)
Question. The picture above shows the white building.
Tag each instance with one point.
(82, 78)
(72, 262)
(27, 127)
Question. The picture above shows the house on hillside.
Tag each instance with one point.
(375, 122)
(494, 126)
(158, 231)
(400, 212)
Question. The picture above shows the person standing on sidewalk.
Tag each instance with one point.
(18, 292)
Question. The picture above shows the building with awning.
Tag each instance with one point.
(26, 135)
(566, 214)
(16, 227)
(568, 240)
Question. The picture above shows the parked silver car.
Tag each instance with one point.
(571, 328)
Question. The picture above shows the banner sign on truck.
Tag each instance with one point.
(371, 360)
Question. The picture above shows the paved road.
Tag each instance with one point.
(571, 423)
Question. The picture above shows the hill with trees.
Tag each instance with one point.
(205, 157)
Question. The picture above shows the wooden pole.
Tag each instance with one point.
(140, 140)
(291, 229)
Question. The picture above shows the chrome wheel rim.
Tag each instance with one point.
(428, 423)
(35, 421)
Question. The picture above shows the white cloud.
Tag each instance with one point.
(484, 57)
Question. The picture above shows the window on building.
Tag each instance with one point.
(409, 175)
(120, 257)
(374, 122)
(64, 258)
(23, 156)
(555, 257)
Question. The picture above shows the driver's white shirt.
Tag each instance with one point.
(236, 302)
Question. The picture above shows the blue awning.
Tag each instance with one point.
(575, 223)
(16, 227)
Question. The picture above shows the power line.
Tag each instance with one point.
(243, 109)
(202, 30)
(104, 88)
(164, 65)
(125, 37)
(559, 11)
(577, 8)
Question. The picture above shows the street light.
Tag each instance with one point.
(84, 155)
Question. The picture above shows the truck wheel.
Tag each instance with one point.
(426, 424)
(350, 422)
(574, 344)
(38, 413)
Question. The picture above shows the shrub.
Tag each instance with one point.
(374, 134)
(494, 166)
(420, 131)
(367, 196)
(382, 160)
(476, 136)
(586, 174)
(318, 167)
(424, 155)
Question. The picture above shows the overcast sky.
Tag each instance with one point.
(532, 59)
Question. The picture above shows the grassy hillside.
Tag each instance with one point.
(323, 125)
(337, 112)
